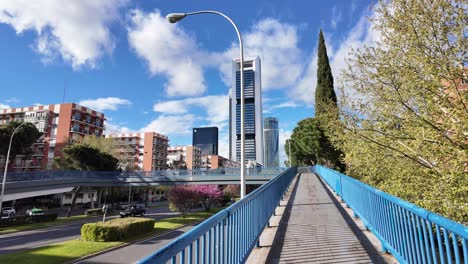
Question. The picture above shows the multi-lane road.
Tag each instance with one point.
(19, 241)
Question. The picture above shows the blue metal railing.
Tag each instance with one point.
(49, 175)
(410, 233)
(230, 235)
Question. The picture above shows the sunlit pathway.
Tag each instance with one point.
(317, 232)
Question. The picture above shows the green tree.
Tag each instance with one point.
(84, 157)
(22, 140)
(122, 152)
(305, 142)
(326, 104)
(324, 91)
(406, 133)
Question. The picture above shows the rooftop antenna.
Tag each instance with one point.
(64, 91)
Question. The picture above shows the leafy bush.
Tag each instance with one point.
(116, 230)
(182, 199)
(232, 190)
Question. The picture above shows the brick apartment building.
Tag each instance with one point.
(217, 162)
(147, 151)
(59, 123)
(184, 157)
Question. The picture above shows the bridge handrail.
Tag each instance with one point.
(231, 234)
(409, 232)
(40, 175)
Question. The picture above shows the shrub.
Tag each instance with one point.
(116, 230)
(233, 190)
(209, 195)
(182, 199)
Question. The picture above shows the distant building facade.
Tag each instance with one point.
(206, 139)
(184, 157)
(271, 137)
(217, 162)
(146, 151)
(59, 123)
(253, 112)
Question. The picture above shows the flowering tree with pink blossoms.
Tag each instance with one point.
(209, 195)
(183, 198)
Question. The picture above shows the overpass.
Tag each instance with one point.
(29, 184)
(316, 230)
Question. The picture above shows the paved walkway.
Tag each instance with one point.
(315, 229)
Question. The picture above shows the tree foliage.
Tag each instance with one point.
(304, 142)
(22, 140)
(406, 133)
(83, 157)
(324, 91)
(110, 145)
(210, 195)
(183, 199)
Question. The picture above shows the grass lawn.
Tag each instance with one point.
(58, 221)
(73, 249)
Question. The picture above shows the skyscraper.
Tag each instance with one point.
(271, 136)
(253, 111)
(206, 139)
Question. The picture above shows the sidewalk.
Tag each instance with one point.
(316, 230)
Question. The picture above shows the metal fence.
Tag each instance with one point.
(230, 235)
(76, 174)
(411, 234)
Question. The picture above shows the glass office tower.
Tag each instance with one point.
(271, 137)
(206, 138)
(253, 111)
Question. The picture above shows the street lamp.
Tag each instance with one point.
(6, 164)
(175, 17)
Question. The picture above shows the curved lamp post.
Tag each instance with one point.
(175, 17)
(6, 165)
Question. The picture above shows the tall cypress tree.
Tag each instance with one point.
(325, 101)
(324, 92)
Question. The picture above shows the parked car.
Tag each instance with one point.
(9, 210)
(6, 215)
(34, 211)
(132, 211)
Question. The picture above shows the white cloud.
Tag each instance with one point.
(78, 31)
(108, 103)
(12, 100)
(288, 104)
(215, 107)
(167, 50)
(4, 106)
(276, 44)
(336, 17)
(112, 128)
(171, 124)
(362, 34)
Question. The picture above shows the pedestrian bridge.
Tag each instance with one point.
(315, 229)
(29, 184)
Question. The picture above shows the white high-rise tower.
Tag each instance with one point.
(253, 111)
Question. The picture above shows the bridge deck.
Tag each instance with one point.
(315, 229)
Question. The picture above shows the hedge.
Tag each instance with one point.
(116, 230)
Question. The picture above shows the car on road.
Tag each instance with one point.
(133, 211)
(9, 210)
(34, 211)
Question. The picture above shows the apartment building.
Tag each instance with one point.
(59, 123)
(147, 151)
(217, 162)
(184, 157)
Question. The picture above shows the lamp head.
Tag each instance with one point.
(175, 17)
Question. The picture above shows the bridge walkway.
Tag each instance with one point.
(316, 229)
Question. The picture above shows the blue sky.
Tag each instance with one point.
(124, 59)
